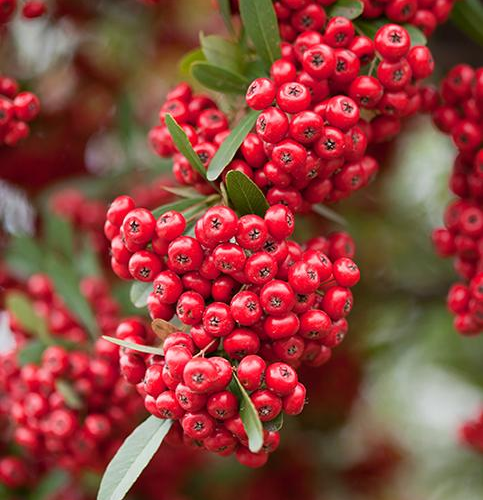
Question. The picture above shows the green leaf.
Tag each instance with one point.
(251, 421)
(140, 291)
(329, 214)
(184, 146)
(274, 425)
(225, 12)
(416, 35)
(191, 57)
(221, 52)
(260, 22)
(58, 235)
(24, 255)
(468, 16)
(179, 206)
(86, 261)
(350, 9)
(182, 192)
(66, 283)
(219, 79)
(132, 457)
(31, 353)
(49, 485)
(71, 398)
(135, 347)
(245, 195)
(230, 145)
(22, 308)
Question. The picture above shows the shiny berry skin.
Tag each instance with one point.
(267, 404)
(190, 307)
(342, 112)
(366, 91)
(153, 381)
(138, 226)
(144, 265)
(272, 125)
(314, 324)
(293, 97)
(347, 66)
(221, 442)
(277, 298)
(217, 319)
(306, 127)
(283, 71)
(175, 359)
(331, 144)
(392, 42)
(241, 342)
(170, 225)
(421, 61)
(294, 403)
(229, 258)
(280, 221)
(339, 32)
(250, 372)
(245, 308)
(303, 277)
(220, 224)
(260, 268)
(281, 378)
(167, 287)
(249, 459)
(252, 232)
(260, 93)
(289, 155)
(222, 405)
(394, 75)
(200, 375)
(346, 272)
(458, 298)
(319, 61)
(26, 106)
(184, 254)
(189, 400)
(337, 302)
(280, 327)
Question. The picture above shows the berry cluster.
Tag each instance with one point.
(296, 16)
(205, 125)
(311, 146)
(31, 9)
(471, 433)
(252, 301)
(16, 109)
(460, 114)
(55, 428)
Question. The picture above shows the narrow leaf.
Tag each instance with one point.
(67, 286)
(246, 196)
(219, 79)
(49, 485)
(71, 398)
(87, 261)
(468, 16)
(230, 145)
(274, 425)
(350, 9)
(24, 255)
(225, 12)
(182, 192)
(22, 308)
(191, 57)
(260, 22)
(221, 52)
(183, 144)
(132, 457)
(147, 349)
(251, 420)
(416, 35)
(329, 214)
(162, 328)
(31, 353)
(58, 234)
(140, 291)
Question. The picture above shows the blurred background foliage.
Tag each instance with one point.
(383, 415)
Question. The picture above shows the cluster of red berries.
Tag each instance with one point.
(251, 300)
(459, 113)
(296, 16)
(310, 146)
(471, 433)
(42, 420)
(31, 9)
(205, 125)
(16, 109)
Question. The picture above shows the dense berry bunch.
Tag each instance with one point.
(16, 109)
(296, 16)
(250, 299)
(471, 433)
(460, 114)
(31, 9)
(310, 146)
(79, 427)
(205, 125)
